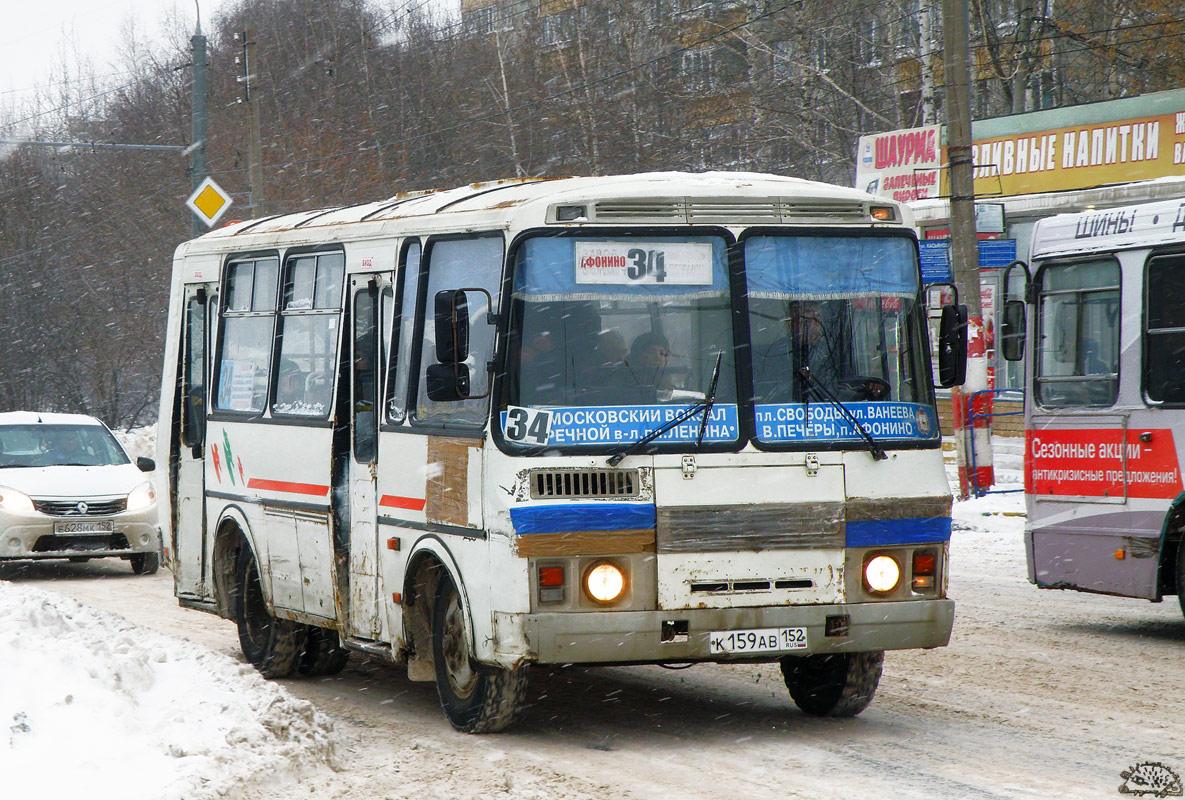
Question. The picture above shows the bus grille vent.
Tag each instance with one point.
(723, 211)
(751, 212)
(824, 212)
(559, 483)
(642, 210)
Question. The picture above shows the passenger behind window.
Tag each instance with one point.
(290, 388)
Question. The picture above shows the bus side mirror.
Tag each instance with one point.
(450, 380)
(447, 383)
(952, 346)
(452, 326)
(1012, 330)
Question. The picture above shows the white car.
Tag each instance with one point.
(68, 489)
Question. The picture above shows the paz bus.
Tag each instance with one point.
(562, 422)
(1106, 387)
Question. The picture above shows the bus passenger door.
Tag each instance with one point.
(367, 292)
(188, 556)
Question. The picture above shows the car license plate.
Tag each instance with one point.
(759, 640)
(90, 526)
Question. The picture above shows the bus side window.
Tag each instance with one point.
(308, 334)
(401, 347)
(1077, 352)
(193, 428)
(474, 262)
(245, 355)
(1164, 367)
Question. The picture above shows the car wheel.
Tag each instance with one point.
(833, 684)
(143, 563)
(323, 653)
(273, 646)
(475, 697)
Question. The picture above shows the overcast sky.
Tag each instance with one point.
(36, 33)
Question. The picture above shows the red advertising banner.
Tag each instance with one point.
(1090, 463)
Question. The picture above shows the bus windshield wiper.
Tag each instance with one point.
(878, 452)
(704, 405)
(709, 401)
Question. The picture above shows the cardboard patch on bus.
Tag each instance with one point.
(447, 498)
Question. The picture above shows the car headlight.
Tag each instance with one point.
(17, 502)
(605, 582)
(882, 573)
(142, 496)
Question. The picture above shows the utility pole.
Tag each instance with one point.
(249, 79)
(198, 164)
(964, 250)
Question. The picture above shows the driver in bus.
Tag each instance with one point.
(806, 343)
(647, 366)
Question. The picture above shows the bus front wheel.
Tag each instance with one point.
(475, 697)
(833, 684)
(273, 646)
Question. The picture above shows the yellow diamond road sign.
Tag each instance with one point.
(209, 201)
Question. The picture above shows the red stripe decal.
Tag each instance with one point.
(391, 501)
(285, 486)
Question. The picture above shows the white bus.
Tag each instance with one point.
(1106, 387)
(652, 419)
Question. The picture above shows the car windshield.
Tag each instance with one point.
(58, 445)
(835, 319)
(612, 336)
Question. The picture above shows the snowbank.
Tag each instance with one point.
(139, 441)
(93, 706)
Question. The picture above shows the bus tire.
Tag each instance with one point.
(475, 697)
(144, 563)
(833, 684)
(273, 646)
(323, 653)
(1181, 573)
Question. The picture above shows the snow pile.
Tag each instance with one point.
(139, 441)
(93, 706)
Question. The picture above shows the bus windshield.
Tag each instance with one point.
(834, 318)
(612, 336)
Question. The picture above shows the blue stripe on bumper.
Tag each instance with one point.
(582, 517)
(886, 532)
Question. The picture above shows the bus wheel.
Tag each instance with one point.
(476, 698)
(273, 646)
(834, 684)
(1181, 573)
(323, 653)
(144, 563)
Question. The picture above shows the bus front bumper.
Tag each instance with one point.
(615, 637)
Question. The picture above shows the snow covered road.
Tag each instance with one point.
(1040, 694)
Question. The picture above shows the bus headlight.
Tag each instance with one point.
(882, 573)
(605, 582)
(141, 497)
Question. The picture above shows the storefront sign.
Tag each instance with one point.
(903, 165)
